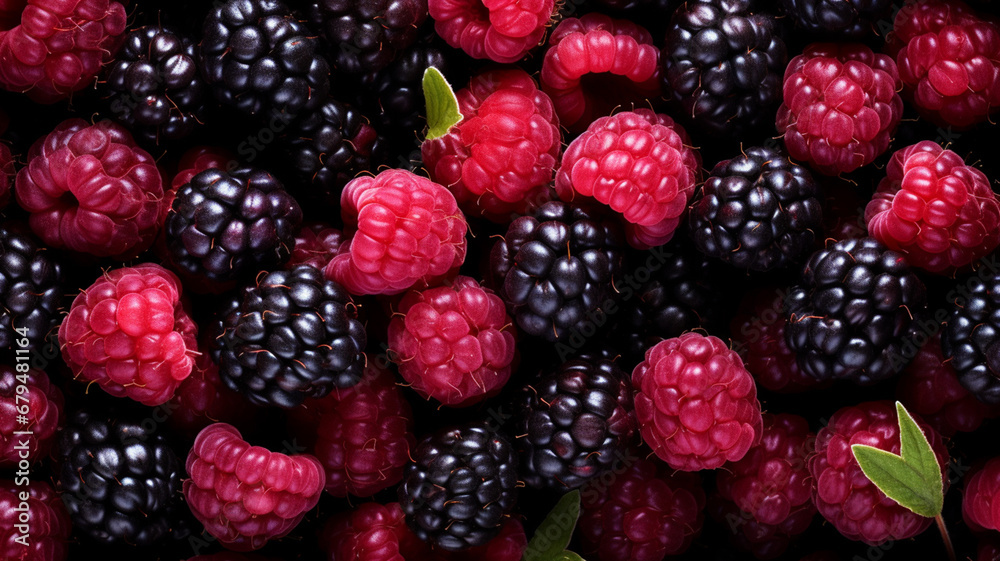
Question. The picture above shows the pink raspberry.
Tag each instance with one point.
(91, 189)
(41, 405)
(246, 495)
(7, 173)
(840, 106)
(499, 159)
(130, 333)
(406, 230)
(759, 336)
(365, 438)
(771, 487)
(949, 61)
(375, 532)
(596, 64)
(929, 387)
(500, 30)
(645, 514)
(52, 48)
(202, 399)
(843, 495)
(641, 165)
(48, 523)
(696, 404)
(980, 507)
(939, 212)
(453, 343)
(316, 244)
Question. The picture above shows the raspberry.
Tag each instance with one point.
(931, 207)
(757, 211)
(840, 106)
(573, 424)
(949, 61)
(929, 387)
(981, 487)
(500, 30)
(499, 160)
(453, 343)
(556, 270)
(54, 48)
(49, 523)
(771, 487)
(118, 478)
(90, 189)
(368, 35)
(247, 495)
(197, 160)
(7, 173)
(154, 86)
(130, 333)
(837, 18)
(969, 340)
(857, 305)
(644, 515)
(595, 64)
(31, 289)
(225, 226)
(459, 487)
(759, 336)
(202, 399)
(293, 335)
(843, 495)
(364, 439)
(638, 163)
(259, 58)
(696, 404)
(316, 244)
(374, 532)
(989, 549)
(45, 413)
(722, 66)
(406, 231)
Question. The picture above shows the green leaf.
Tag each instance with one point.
(913, 478)
(442, 105)
(568, 556)
(553, 535)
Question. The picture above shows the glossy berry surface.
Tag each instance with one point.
(971, 335)
(50, 522)
(366, 36)
(32, 286)
(502, 31)
(837, 18)
(44, 403)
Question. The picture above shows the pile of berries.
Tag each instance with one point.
(389, 280)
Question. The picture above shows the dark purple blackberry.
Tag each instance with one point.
(757, 211)
(574, 424)
(555, 270)
(225, 226)
(259, 58)
(329, 147)
(723, 64)
(838, 18)
(395, 94)
(295, 335)
(154, 85)
(118, 478)
(459, 487)
(854, 310)
(31, 289)
(366, 35)
(971, 338)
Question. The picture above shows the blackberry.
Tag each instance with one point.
(259, 58)
(223, 226)
(31, 288)
(555, 270)
(856, 307)
(294, 335)
(723, 64)
(366, 35)
(757, 211)
(971, 337)
(119, 480)
(328, 148)
(838, 18)
(574, 424)
(154, 85)
(459, 487)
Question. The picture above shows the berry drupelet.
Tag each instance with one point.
(366, 35)
(31, 289)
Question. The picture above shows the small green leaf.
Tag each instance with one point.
(913, 478)
(568, 556)
(553, 535)
(442, 105)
